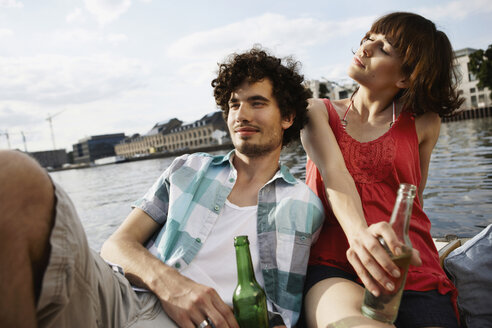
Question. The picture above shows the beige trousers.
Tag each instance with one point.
(81, 290)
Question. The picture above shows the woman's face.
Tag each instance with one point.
(377, 65)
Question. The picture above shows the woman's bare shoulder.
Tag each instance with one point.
(341, 105)
(428, 126)
(429, 120)
(315, 103)
(317, 108)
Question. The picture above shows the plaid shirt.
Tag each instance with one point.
(188, 198)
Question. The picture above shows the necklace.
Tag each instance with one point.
(345, 122)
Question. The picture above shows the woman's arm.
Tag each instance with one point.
(365, 253)
(322, 148)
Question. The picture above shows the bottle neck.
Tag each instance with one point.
(402, 212)
(245, 272)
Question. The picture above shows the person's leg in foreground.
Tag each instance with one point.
(26, 218)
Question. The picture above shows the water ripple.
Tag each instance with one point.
(457, 198)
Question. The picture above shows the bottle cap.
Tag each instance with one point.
(241, 240)
(407, 188)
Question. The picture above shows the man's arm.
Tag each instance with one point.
(184, 301)
(125, 247)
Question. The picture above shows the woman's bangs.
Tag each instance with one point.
(393, 31)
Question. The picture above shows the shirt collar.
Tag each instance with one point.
(283, 173)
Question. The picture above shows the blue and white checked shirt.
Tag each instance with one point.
(188, 197)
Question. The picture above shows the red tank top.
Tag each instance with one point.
(378, 167)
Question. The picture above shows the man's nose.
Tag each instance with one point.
(243, 112)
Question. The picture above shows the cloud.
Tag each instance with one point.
(76, 16)
(277, 33)
(107, 11)
(11, 4)
(197, 73)
(5, 32)
(59, 80)
(274, 31)
(10, 117)
(333, 72)
(459, 9)
(116, 38)
(80, 35)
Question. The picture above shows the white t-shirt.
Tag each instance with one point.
(215, 263)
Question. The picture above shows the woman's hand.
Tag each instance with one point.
(371, 261)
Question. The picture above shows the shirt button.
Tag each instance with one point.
(198, 240)
(231, 180)
(216, 208)
(177, 265)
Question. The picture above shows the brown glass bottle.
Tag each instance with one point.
(385, 307)
(249, 300)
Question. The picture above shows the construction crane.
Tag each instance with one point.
(6, 134)
(49, 119)
(24, 141)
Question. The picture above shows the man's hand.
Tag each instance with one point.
(370, 260)
(189, 303)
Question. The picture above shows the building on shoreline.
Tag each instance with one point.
(474, 96)
(174, 136)
(89, 149)
(331, 89)
(50, 159)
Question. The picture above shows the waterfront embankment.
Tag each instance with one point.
(457, 197)
(468, 114)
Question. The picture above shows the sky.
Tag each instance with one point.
(119, 66)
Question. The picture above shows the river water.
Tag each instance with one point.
(457, 199)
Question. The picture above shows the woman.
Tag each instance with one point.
(360, 150)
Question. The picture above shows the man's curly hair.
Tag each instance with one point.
(256, 65)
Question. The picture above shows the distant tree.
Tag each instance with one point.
(480, 64)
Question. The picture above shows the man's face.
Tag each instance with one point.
(255, 123)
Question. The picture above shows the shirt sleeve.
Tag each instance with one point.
(155, 202)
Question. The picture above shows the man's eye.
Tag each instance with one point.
(234, 105)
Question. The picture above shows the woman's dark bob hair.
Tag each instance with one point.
(427, 62)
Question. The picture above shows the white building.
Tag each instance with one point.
(474, 96)
(331, 89)
(174, 136)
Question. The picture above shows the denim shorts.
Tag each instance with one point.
(81, 290)
(417, 309)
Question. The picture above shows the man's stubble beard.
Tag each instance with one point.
(257, 150)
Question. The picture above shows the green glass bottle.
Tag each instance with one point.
(249, 300)
(385, 307)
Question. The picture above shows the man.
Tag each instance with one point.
(178, 240)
